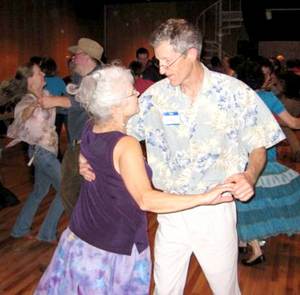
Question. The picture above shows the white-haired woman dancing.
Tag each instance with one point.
(105, 250)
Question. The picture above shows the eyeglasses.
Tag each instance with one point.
(165, 67)
(133, 93)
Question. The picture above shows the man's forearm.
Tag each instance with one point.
(61, 101)
(256, 163)
(49, 102)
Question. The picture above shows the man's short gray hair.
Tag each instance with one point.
(181, 34)
(103, 89)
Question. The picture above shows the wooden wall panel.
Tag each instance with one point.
(49, 27)
(128, 26)
(42, 27)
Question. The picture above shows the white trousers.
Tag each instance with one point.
(207, 231)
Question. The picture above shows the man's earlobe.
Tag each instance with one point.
(193, 53)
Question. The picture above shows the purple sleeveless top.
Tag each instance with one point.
(106, 215)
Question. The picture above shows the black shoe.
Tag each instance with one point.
(257, 260)
(243, 250)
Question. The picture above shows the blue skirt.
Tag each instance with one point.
(275, 207)
(78, 268)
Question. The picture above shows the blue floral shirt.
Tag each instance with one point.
(192, 147)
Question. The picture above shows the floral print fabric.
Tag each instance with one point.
(79, 268)
(38, 129)
(209, 140)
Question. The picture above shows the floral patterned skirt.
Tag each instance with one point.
(80, 268)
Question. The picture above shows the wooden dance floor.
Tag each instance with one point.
(23, 261)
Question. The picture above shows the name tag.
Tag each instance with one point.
(171, 118)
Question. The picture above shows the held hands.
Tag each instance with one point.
(221, 193)
(243, 188)
(238, 186)
(85, 170)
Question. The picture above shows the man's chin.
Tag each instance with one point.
(77, 71)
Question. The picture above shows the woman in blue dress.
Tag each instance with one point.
(275, 207)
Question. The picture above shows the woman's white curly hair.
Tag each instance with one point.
(102, 89)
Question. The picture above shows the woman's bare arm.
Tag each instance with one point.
(129, 162)
(289, 120)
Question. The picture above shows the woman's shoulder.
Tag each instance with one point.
(128, 144)
(25, 101)
(128, 150)
(28, 96)
(128, 140)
